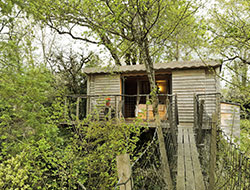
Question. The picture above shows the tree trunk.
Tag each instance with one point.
(153, 87)
(108, 44)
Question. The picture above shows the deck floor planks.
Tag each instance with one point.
(189, 175)
(180, 162)
(199, 182)
(190, 185)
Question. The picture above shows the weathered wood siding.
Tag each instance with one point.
(187, 83)
(212, 102)
(230, 119)
(102, 85)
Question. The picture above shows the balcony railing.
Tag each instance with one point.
(129, 107)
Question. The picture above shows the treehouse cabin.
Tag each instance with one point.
(126, 91)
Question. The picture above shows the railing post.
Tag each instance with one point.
(195, 112)
(167, 107)
(77, 108)
(88, 105)
(200, 121)
(120, 107)
(171, 123)
(124, 171)
(240, 168)
(212, 163)
(176, 112)
(147, 113)
(116, 108)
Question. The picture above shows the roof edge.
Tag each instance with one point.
(158, 66)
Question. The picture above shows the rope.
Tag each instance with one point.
(150, 144)
(137, 160)
(148, 174)
(233, 170)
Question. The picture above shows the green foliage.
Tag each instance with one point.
(24, 92)
(121, 26)
(245, 136)
(229, 40)
(36, 154)
(100, 143)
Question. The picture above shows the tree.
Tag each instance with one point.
(119, 25)
(230, 40)
(69, 69)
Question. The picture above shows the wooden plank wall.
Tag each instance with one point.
(212, 86)
(186, 83)
(103, 84)
(230, 119)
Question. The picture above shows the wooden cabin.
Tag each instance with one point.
(129, 84)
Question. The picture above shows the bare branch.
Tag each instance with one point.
(236, 57)
(72, 35)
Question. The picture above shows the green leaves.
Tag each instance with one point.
(100, 143)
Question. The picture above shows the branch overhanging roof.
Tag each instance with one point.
(158, 67)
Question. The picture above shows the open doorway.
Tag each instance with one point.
(136, 89)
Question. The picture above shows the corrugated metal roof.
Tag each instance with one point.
(159, 66)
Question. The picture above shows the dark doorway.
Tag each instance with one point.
(139, 85)
(130, 101)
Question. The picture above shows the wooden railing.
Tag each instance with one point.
(204, 106)
(129, 107)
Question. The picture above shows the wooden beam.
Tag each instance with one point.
(171, 122)
(147, 113)
(77, 108)
(199, 181)
(176, 111)
(201, 111)
(88, 93)
(164, 157)
(212, 163)
(124, 172)
(180, 185)
(116, 107)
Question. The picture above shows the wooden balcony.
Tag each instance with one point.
(126, 107)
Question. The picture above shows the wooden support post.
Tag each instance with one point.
(147, 113)
(164, 158)
(171, 124)
(217, 109)
(212, 163)
(199, 133)
(167, 107)
(116, 108)
(77, 108)
(88, 105)
(120, 106)
(195, 112)
(176, 111)
(137, 98)
(138, 92)
(124, 172)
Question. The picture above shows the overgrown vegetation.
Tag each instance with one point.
(36, 152)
